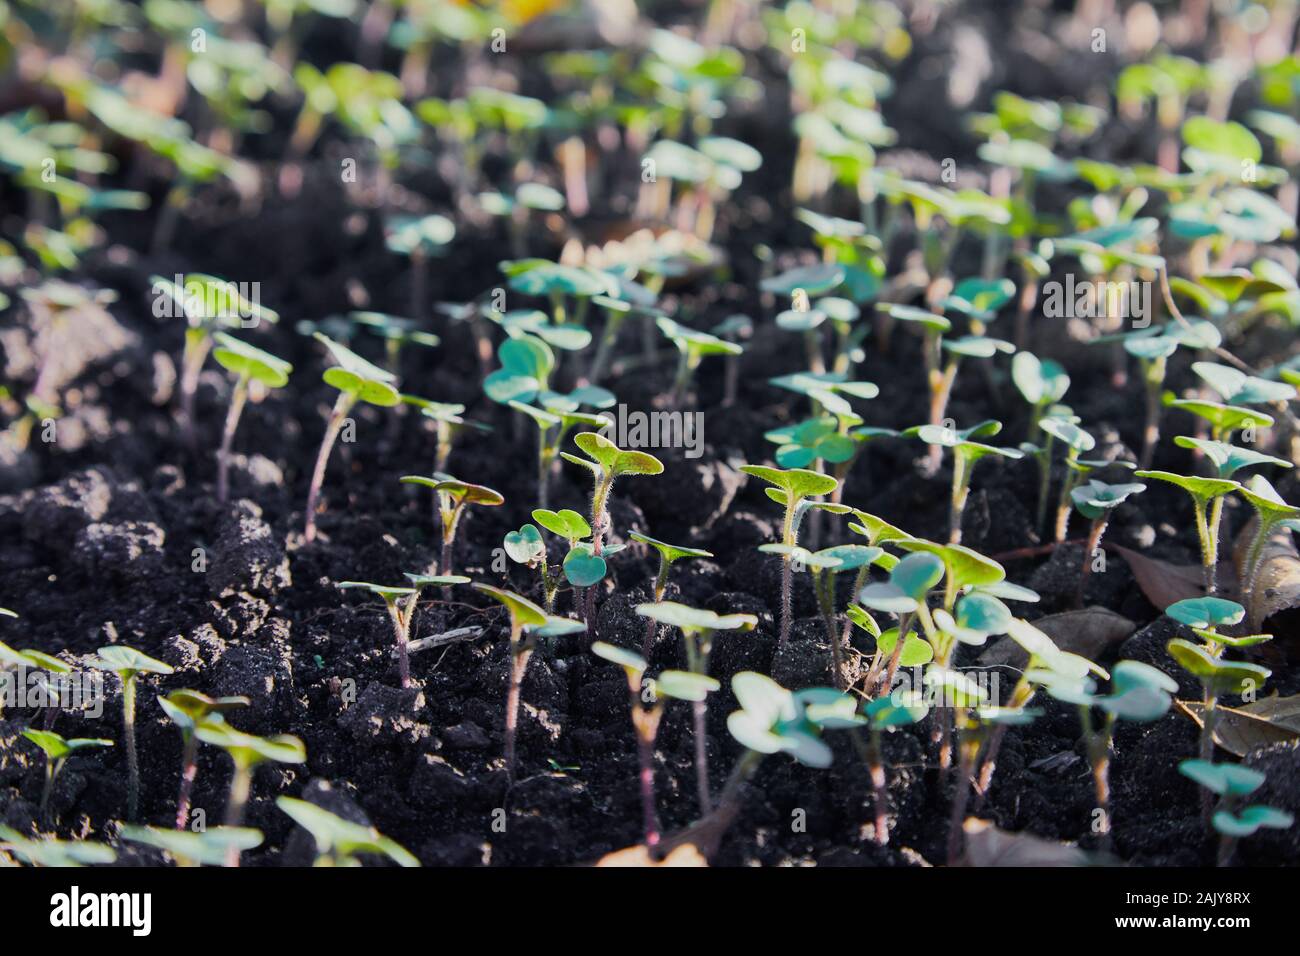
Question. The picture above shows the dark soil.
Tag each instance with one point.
(101, 531)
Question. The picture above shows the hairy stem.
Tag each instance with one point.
(342, 406)
(237, 399)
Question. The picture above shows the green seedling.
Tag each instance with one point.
(553, 427)
(1138, 693)
(633, 299)
(1224, 420)
(57, 751)
(965, 347)
(558, 284)
(606, 462)
(397, 333)
(253, 370)
(401, 603)
(448, 426)
(697, 627)
(453, 495)
(824, 565)
(884, 715)
(1205, 616)
(201, 848)
(682, 685)
(933, 327)
(128, 664)
(1095, 500)
(791, 488)
(51, 852)
(1270, 513)
(528, 198)
(187, 709)
(1238, 388)
(341, 842)
(1076, 442)
(668, 554)
(419, 238)
(1041, 382)
(692, 348)
(1152, 349)
(1231, 783)
(1207, 496)
(246, 752)
(527, 547)
(905, 596)
(209, 304)
(773, 720)
(965, 453)
(527, 623)
(357, 381)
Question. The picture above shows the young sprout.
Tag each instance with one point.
(732, 329)
(1270, 513)
(903, 595)
(1041, 382)
(1095, 500)
(419, 238)
(697, 627)
(187, 709)
(534, 197)
(933, 327)
(692, 348)
(559, 283)
(357, 381)
(682, 685)
(57, 751)
(1207, 496)
(1076, 442)
(453, 496)
(527, 623)
(209, 304)
(1138, 693)
(246, 753)
(208, 847)
(668, 554)
(633, 299)
(401, 603)
(791, 488)
(340, 842)
(965, 453)
(253, 369)
(553, 427)
(824, 565)
(1152, 349)
(606, 461)
(884, 715)
(1231, 820)
(582, 567)
(1223, 419)
(397, 333)
(1205, 616)
(526, 547)
(448, 425)
(128, 664)
(773, 720)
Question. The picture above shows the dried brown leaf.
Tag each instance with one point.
(1242, 729)
(986, 845)
(1090, 632)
